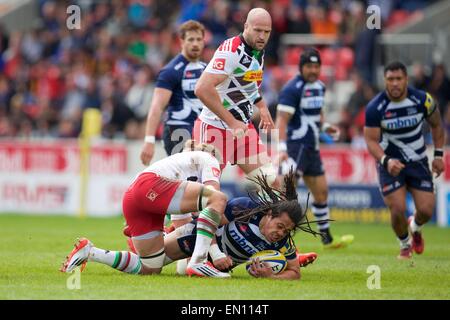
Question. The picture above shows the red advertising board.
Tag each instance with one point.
(344, 165)
(447, 166)
(58, 157)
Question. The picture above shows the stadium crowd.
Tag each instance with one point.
(50, 74)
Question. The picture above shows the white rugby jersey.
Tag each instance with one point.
(188, 165)
(240, 91)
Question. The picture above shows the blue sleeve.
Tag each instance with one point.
(168, 79)
(373, 115)
(289, 95)
(240, 203)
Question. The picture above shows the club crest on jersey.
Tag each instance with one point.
(219, 64)
(252, 76)
(189, 74)
(243, 228)
(216, 172)
(152, 195)
(390, 114)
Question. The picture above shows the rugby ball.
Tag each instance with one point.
(274, 259)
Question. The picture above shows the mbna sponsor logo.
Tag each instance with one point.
(401, 123)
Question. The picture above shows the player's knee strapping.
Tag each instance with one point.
(155, 260)
(203, 198)
(267, 171)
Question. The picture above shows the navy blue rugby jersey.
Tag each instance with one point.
(401, 123)
(304, 100)
(180, 76)
(241, 240)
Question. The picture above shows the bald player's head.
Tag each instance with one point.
(257, 28)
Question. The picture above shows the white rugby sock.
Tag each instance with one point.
(414, 226)
(322, 214)
(207, 224)
(404, 241)
(124, 261)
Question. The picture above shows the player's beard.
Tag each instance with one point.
(193, 55)
(256, 45)
(399, 94)
(259, 45)
(312, 78)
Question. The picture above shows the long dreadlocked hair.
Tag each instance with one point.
(274, 202)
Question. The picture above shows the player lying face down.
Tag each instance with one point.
(263, 222)
(163, 188)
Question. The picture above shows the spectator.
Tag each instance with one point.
(56, 73)
(140, 94)
(352, 23)
(140, 12)
(353, 113)
(215, 20)
(365, 53)
(321, 24)
(6, 93)
(191, 10)
(4, 39)
(420, 78)
(297, 22)
(439, 87)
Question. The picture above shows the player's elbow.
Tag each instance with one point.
(200, 89)
(291, 274)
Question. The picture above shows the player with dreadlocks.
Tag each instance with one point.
(263, 221)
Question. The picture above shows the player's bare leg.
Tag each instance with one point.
(424, 203)
(396, 202)
(178, 221)
(151, 253)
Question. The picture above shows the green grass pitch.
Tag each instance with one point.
(33, 247)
